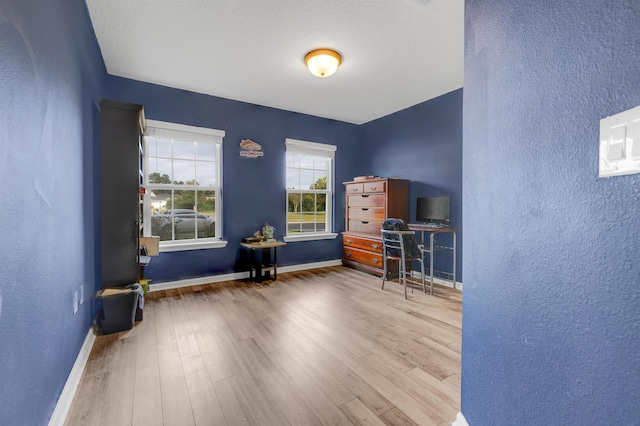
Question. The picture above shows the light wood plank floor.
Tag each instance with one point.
(321, 347)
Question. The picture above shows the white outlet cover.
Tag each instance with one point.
(620, 144)
(75, 302)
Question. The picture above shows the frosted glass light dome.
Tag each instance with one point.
(323, 62)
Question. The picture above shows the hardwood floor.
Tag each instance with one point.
(320, 347)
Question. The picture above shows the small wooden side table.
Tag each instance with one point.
(263, 268)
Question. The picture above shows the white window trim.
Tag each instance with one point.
(184, 128)
(169, 246)
(206, 135)
(316, 149)
(310, 237)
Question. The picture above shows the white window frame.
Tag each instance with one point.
(318, 150)
(199, 134)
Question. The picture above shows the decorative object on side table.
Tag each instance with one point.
(267, 231)
(265, 235)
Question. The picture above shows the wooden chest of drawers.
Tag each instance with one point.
(368, 204)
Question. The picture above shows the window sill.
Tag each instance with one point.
(310, 237)
(192, 245)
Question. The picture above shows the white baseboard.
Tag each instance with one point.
(314, 265)
(460, 420)
(238, 275)
(63, 405)
(292, 268)
(440, 281)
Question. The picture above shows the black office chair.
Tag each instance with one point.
(399, 243)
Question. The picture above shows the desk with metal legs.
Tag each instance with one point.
(263, 267)
(433, 247)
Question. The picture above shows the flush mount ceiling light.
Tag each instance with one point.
(323, 62)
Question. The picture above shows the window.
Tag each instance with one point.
(183, 173)
(309, 190)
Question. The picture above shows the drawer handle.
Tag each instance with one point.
(375, 246)
(364, 210)
(354, 189)
(375, 260)
(365, 222)
(373, 188)
(348, 254)
(348, 241)
(365, 195)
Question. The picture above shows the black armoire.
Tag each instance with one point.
(121, 129)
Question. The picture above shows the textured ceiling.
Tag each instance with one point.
(396, 53)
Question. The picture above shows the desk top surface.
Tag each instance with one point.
(420, 227)
(263, 244)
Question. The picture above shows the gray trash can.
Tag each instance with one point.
(118, 308)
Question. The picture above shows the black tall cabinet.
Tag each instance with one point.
(121, 129)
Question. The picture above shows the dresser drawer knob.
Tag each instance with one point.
(365, 195)
(375, 246)
(354, 189)
(348, 241)
(364, 210)
(373, 188)
(348, 254)
(375, 260)
(365, 222)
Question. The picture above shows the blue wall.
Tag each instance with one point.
(51, 75)
(423, 144)
(253, 188)
(551, 307)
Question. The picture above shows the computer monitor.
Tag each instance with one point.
(434, 209)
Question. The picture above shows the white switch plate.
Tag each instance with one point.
(620, 144)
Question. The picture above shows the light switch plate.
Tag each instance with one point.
(620, 144)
